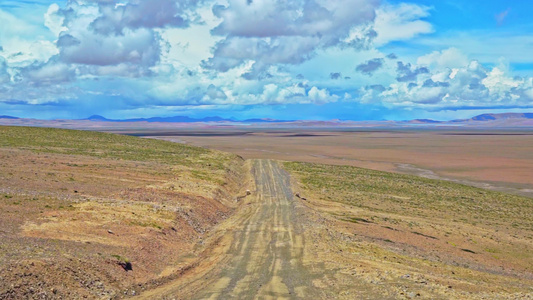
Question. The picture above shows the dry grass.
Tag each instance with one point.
(399, 230)
(72, 202)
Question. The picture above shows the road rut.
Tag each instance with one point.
(263, 257)
(268, 246)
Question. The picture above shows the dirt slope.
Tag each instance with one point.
(86, 214)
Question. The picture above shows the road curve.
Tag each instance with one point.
(263, 257)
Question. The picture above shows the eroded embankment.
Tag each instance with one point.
(86, 214)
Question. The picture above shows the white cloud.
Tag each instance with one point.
(448, 58)
(529, 93)
(49, 73)
(20, 47)
(113, 19)
(4, 75)
(400, 22)
(167, 54)
(498, 83)
(53, 20)
(470, 85)
(484, 45)
(188, 47)
(317, 95)
(273, 32)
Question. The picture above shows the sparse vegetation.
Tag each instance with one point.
(105, 145)
(98, 202)
(70, 200)
(411, 195)
(124, 262)
(435, 227)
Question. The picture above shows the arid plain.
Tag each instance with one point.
(488, 158)
(105, 216)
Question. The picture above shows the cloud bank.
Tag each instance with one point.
(157, 55)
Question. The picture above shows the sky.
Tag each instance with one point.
(300, 59)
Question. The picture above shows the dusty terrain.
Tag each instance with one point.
(363, 243)
(260, 251)
(77, 207)
(489, 158)
(78, 210)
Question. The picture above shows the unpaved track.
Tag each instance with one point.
(263, 253)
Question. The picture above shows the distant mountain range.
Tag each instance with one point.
(8, 117)
(490, 117)
(182, 119)
(480, 119)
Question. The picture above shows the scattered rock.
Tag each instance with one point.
(126, 265)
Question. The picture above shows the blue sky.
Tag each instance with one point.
(302, 59)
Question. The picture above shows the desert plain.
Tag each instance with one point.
(489, 158)
(265, 213)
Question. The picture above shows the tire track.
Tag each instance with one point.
(264, 254)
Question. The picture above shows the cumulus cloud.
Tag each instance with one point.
(170, 53)
(130, 44)
(53, 20)
(448, 58)
(4, 75)
(406, 72)
(284, 32)
(400, 22)
(51, 72)
(214, 92)
(139, 48)
(470, 85)
(114, 19)
(298, 93)
(369, 67)
(90, 40)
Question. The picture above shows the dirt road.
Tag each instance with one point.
(261, 252)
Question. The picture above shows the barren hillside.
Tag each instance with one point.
(79, 209)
